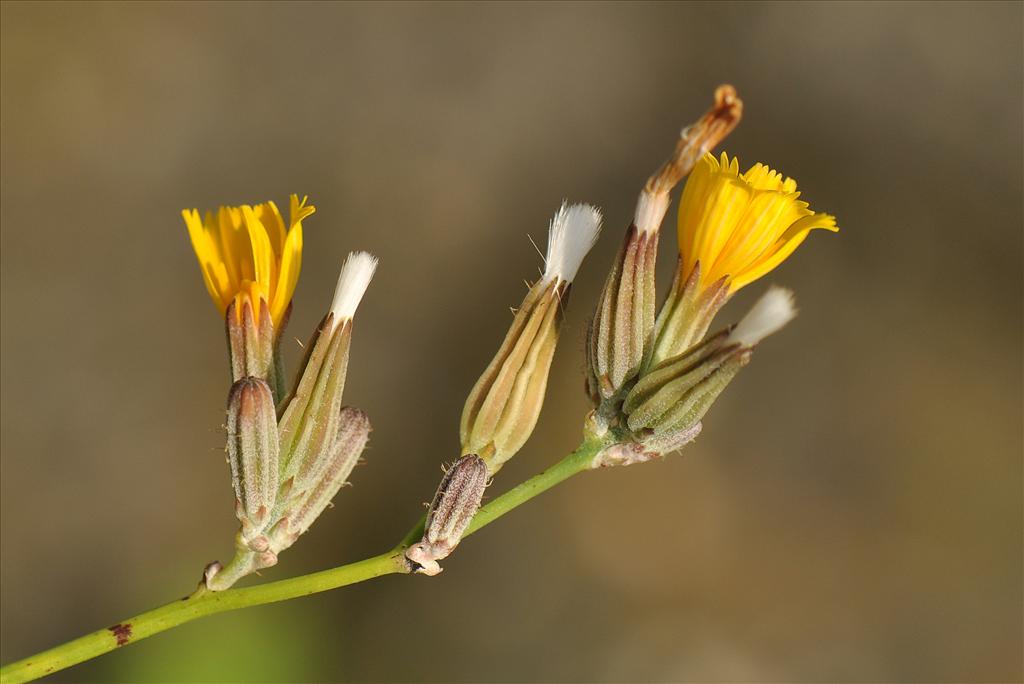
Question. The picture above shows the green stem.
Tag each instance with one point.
(204, 602)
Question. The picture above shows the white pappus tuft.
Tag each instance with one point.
(770, 314)
(573, 231)
(355, 276)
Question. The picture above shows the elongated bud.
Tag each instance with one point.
(311, 417)
(309, 492)
(665, 407)
(621, 328)
(620, 334)
(455, 503)
(503, 406)
(252, 338)
(252, 453)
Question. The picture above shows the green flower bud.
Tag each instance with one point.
(311, 490)
(252, 453)
(663, 411)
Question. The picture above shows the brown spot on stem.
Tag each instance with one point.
(123, 633)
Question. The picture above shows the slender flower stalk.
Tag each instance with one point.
(204, 602)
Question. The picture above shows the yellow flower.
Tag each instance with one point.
(245, 252)
(741, 226)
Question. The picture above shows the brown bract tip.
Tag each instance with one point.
(698, 139)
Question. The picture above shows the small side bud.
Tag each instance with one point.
(664, 409)
(253, 452)
(455, 503)
(502, 408)
(312, 491)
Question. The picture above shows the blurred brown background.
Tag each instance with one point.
(852, 511)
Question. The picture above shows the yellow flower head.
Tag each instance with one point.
(741, 226)
(246, 252)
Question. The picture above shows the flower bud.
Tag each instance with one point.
(311, 490)
(503, 406)
(664, 409)
(454, 505)
(311, 417)
(621, 328)
(252, 453)
(620, 333)
(286, 475)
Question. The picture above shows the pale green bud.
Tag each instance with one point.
(252, 449)
(686, 315)
(663, 411)
(311, 490)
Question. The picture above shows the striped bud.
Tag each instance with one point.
(621, 328)
(686, 315)
(252, 453)
(664, 409)
(252, 340)
(455, 503)
(312, 413)
(311, 491)
(503, 406)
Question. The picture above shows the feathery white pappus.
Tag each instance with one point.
(770, 314)
(355, 276)
(571, 234)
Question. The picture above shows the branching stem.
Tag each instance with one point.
(204, 602)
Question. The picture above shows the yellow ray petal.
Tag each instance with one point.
(291, 264)
(786, 245)
(270, 217)
(244, 251)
